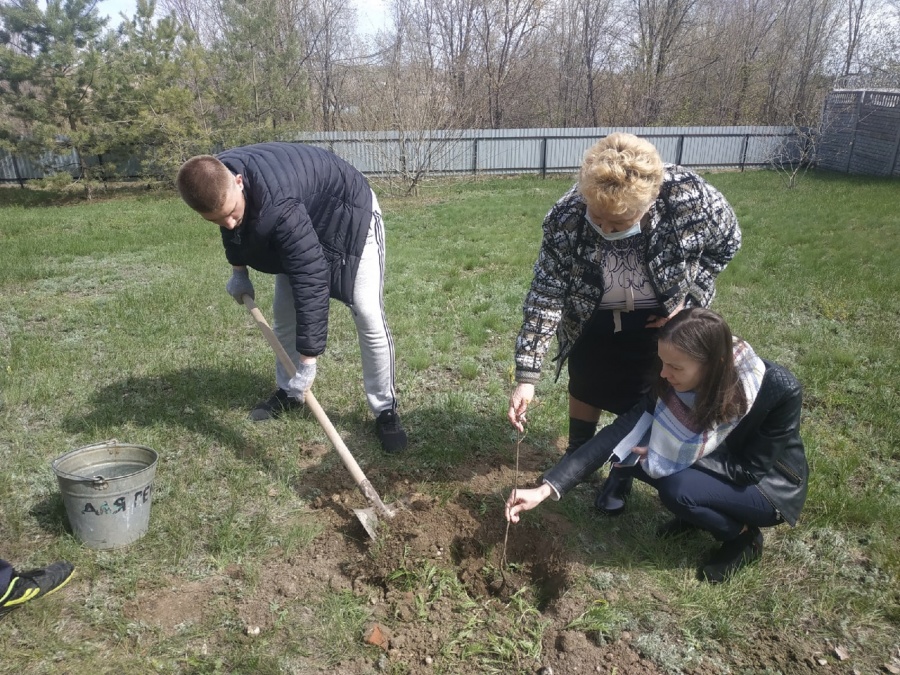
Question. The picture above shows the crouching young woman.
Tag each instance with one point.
(718, 439)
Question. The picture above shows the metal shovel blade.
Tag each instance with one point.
(369, 521)
(368, 516)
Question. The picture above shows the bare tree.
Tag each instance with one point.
(505, 29)
(454, 33)
(330, 56)
(411, 96)
(661, 24)
(580, 36)
(817, 22)
(794, 154)
(856, 13)
(198, 15)
(752, 20)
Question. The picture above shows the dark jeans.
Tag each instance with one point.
(6, 572)
(711, 502)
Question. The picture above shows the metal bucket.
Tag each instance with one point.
(107, 488)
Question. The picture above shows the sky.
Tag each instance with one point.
(372, 14)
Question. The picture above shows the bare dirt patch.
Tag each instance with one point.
(177, 605)
(458, 536)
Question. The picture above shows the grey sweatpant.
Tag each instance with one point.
(375, 342)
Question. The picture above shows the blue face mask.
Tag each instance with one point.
(614, 236)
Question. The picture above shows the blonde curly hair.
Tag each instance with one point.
(621, 174)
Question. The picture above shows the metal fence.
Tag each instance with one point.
(486, 151)
(860, 132)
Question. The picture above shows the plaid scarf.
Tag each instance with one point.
(674, 442)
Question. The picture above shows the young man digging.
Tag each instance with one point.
(311, 219)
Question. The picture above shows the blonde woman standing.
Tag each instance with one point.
(630, 245)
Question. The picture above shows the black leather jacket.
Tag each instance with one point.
(764, 449)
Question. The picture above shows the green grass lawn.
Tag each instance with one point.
(115, 324)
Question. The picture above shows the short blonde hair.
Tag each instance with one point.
(203, 182)
(620, 174)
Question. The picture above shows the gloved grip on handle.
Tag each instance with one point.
(240, 285)
(300, 383)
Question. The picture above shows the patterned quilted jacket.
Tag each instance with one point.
(690, 235)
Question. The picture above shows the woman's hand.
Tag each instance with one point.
(518, 404)
(525, 500)
(640, 451)
(660, 321)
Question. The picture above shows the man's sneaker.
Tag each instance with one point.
(389, 431)
(278, 403)
(732, 556)
(675, 528)
(26, 586)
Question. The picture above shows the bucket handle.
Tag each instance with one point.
(97, 482)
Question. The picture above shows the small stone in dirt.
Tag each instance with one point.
(841, 653)
(405, 613)
(545, 670)
(251, 631)
(890, 668)
(428, 660)
(822, 662)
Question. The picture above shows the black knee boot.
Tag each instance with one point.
(613, 493)
(580, 432)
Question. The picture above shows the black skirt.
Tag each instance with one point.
(613, 370)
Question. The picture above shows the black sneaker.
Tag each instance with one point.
(675, 528)
(732, 556)
(278, 403)
(614, 492)
(26, 586)
(389, 431)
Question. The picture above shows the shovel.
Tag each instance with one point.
(368, 516)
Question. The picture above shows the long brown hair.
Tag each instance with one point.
(705, 337)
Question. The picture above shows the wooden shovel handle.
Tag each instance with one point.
(361, 481)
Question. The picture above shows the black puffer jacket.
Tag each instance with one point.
(764, 449)
(307, 216)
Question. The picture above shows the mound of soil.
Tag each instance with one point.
(463, 536)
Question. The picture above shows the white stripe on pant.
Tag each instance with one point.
(375, 342)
